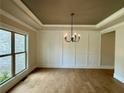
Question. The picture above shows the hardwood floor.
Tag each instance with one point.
(69, 81)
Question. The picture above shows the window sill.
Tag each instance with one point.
(12, 78)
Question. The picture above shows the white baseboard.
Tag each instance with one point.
(85, 67)
(121, 79)
(107, 67)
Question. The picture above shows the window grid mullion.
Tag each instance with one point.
(25, 52)
(13, 53)
(20, 52)
(5, 55)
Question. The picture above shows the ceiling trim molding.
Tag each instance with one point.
(8, 15)
(107, 31)
(27, 11)
(12, 28)
(111, 18)
(87, 26)
(66, 27)
(112, 28)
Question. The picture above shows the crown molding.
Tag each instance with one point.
(27, 11)
(48, 25)
(112, 28)
(66, 27)
(111, 18)
(12, 28)
(8, 15)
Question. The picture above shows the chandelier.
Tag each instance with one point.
(72, 37)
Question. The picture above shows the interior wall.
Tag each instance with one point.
(119, 53)
(119, 50)
(56, 53)
(108, 49)
(9, 24)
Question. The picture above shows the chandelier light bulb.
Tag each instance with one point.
(66, 35)
(75, 33)
(79, 35)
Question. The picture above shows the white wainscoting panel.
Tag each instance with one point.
(56, 52)
(51, 48)
(81, 49)
(94, 49)
(44, 48)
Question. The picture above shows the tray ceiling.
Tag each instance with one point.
(88, 12)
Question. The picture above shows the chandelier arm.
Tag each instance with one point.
(77, 39)
(68, 40)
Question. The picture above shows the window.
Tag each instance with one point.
(13, 54)
(20, 53)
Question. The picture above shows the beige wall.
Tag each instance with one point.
(14, 26)
(108, 49)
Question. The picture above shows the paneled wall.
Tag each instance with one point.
(81, 50)
(94, 49)
(50, 48)
(55, 52)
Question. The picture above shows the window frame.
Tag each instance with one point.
(13, 54)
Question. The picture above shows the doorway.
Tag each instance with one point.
(108, 50)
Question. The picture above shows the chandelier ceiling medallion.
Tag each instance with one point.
(72, 37)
